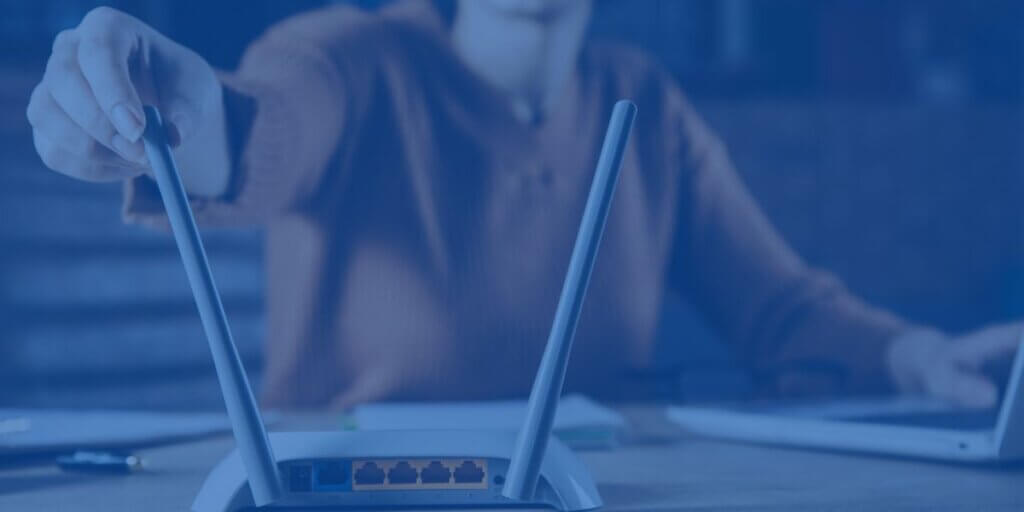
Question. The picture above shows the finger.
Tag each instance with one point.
(963, 388)
(995, 342)
(72, 93)
(48, 118)
(107, 41)
(64, 162)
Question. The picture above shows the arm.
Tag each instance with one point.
(291, 107)
(798, 328)
(251, 144)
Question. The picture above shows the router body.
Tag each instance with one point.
(399, 469)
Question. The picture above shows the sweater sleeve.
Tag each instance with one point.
(799, 329)
(291, 109)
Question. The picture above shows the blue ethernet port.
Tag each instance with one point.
(331, 476)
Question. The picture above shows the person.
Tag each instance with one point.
(421, 177)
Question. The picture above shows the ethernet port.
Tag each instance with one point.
(435, 473)
(469, 473)
(402, 473)
(300, 478)
(369, 474)
(331, 475)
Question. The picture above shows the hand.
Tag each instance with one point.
(928, 362)
(86, 113)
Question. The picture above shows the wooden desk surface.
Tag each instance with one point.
(663, 470)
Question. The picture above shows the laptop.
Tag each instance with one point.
(901, 426)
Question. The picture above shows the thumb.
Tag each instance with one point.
(178, 114)
(180, 84)
(186, 100)
(964, 388)
(177, 110)
(179, 123)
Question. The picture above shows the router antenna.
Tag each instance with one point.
(524, 469)
(250, 434)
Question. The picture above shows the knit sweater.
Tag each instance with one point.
(418, 232)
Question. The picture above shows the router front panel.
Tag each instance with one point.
(388, 483)
(396, 469)
(452, 479)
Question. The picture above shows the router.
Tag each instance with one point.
(394, 469)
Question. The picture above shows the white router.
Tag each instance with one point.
(395, 469)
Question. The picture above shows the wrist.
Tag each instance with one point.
(205, 155)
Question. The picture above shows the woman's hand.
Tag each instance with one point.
(953, 369)
(86, 113)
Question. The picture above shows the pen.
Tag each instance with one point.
(100, 462)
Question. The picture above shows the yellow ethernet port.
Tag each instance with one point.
(435, 472)
(402, 473)
(412, 474)
(368, 473)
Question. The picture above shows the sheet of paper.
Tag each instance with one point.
(55, 430)
(579, 422)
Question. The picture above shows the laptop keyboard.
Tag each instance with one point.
(957, 420)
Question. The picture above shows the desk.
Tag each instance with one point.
(664, 469)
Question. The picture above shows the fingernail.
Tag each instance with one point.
(127, 122)
(129, 150)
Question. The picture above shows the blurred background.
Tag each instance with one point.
(883, 137)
